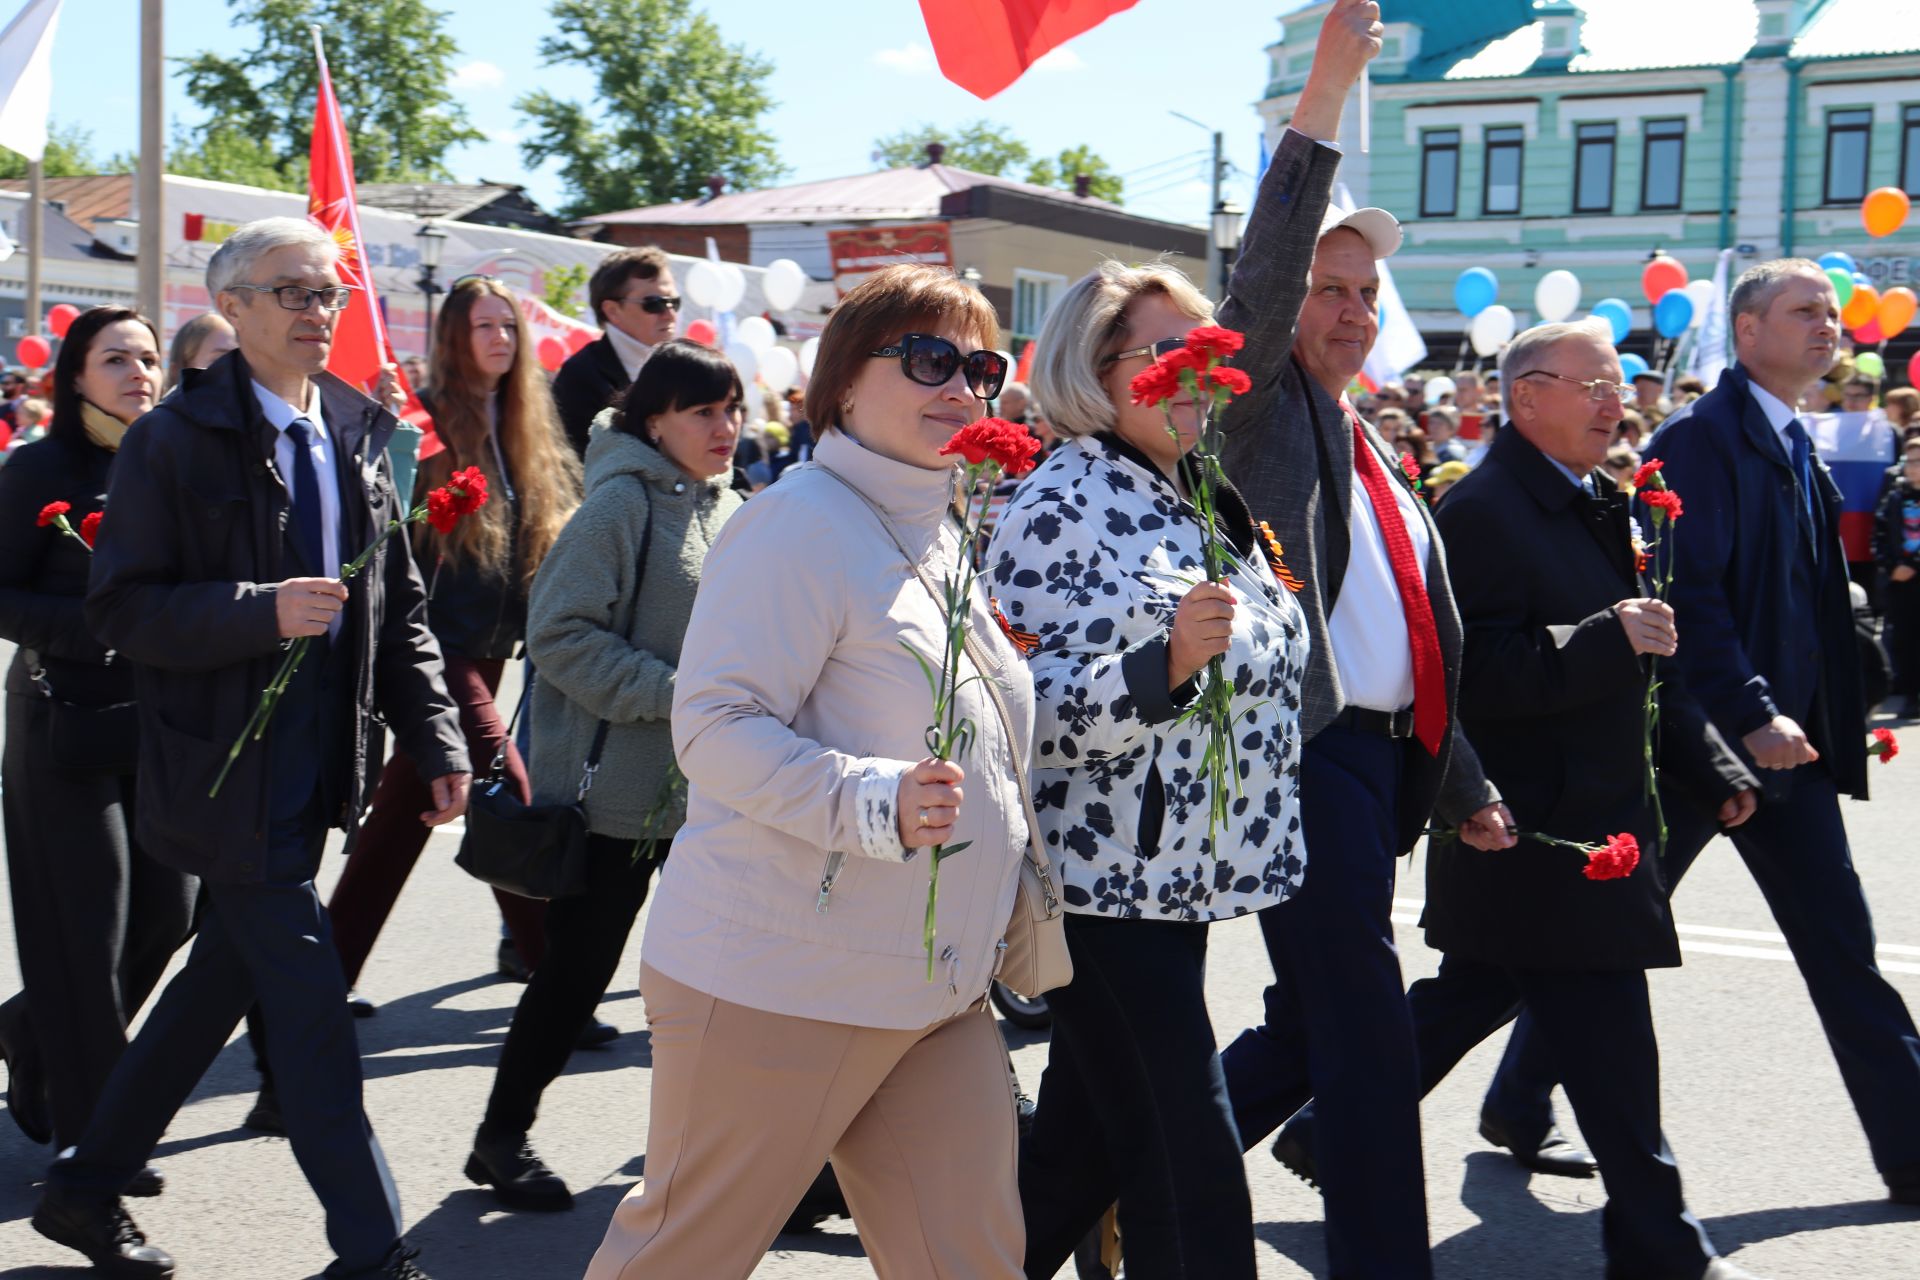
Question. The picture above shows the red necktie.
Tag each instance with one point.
(1429, 674)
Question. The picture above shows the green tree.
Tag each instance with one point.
(1072, 162)
(673, 103)
(979, 145)
(391, 61)
(223, 153)
(562, 288)
(70, 154)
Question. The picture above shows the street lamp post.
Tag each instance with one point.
(1227, 220)
(432, 239)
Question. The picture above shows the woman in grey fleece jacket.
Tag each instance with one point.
(658, 470)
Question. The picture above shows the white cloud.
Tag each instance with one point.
(478, 75)
(1060, 59)
(910, 59)
(505, 137)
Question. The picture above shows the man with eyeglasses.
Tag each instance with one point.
(636, 303)
(235, 501)
(1562, 637)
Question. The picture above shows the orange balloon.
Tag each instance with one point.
(1885, 211)
(1897, 306)
(1863, 306)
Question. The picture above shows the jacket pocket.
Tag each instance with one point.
(178, 769)
(219, 530)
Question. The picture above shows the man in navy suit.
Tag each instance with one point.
(1761, 588)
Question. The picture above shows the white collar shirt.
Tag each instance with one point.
(632, 352)
(281, 415)
(1780, 414)
(1368, 630)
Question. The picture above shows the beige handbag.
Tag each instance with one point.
(1033, 954)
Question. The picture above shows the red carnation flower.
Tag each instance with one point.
(443, 511)
(1234, 382)
(90, 528)
(1885, 745)
(1648, 470)
(53, 511)
(469, 490)
(1410, 467)
(1007, 445)
(1616, 860)
(1160, 381)
(1665, 504)
(1212, 340)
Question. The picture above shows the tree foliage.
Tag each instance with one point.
(673, 104)
(69, 154)
(1072, 163)
(985, 147)
(392, 61)
(562, 288)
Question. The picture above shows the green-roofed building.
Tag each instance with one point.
(1529, 135)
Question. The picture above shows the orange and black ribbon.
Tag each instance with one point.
(1276, 560)
(1025, 641)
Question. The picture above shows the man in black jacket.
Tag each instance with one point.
(1561, 635)
(234, 504)
(634, 298)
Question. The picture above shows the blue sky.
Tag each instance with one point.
(846, 72)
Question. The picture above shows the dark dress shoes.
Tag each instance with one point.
(147, 1183)
(509, 965)
(1293, 1147)
(26, 1084)
(596, 1034)
(519, 1178)
(1905, 1192)
(265, 1116)
(823, 1200)
(359, 1006)
(400, 1265)
(100, 1230)
(1553, 1153)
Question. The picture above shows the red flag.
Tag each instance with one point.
(1023, 372)
(985, 45)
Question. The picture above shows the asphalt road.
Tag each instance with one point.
(1773, 1158)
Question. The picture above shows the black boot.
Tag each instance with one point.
(26, 1085)
(265, 1116)
(101, 1230)
(822, 1201)
(519, 1178)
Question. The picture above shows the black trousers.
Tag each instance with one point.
(1133, 1107)
(1903, 635)
(94, 918)
(586, 936)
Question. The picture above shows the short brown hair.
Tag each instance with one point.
(893, 301)
(1903, 406)
(611, 276)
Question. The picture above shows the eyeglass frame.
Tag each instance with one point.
(902, 350)
(312, 295)
(1622, 391)
(673, 302)
(1153, 351)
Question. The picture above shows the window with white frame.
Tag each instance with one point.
(1034, 293)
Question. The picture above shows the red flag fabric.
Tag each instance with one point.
(985, 45)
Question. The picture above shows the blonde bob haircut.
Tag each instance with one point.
(1089, 323)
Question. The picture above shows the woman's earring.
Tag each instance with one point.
(846, 407)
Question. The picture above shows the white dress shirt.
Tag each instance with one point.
(1780, 414)
(1368, 630)
(281, 415)
(632, 352)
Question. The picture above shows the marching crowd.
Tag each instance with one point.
(1459, 647)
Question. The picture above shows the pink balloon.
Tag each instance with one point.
(61, 318)
(1869, 332)
(576, 339)
(553, 353)
(1913, 370)
(34, 352)
(703, 331)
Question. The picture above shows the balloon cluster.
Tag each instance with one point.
(1870, 315)
(754, 351)
(1678, 305)
(36, 352)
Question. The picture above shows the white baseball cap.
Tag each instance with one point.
(1380, 229)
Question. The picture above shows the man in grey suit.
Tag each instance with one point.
(1384, 751)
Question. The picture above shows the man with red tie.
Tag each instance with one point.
(1384, 752)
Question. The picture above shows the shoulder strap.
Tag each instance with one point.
(1040, 863)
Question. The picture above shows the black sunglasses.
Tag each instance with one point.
(1164, 347)
(931, 361)
(654, 303)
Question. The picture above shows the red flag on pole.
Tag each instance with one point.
(984, 45)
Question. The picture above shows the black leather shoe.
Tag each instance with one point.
(147, 1183)
(1554, 1153)
(102, 1231)
(26, 1086)
(822, 1201)
(1904, 1193)
(596, 1034)
(520, 1180)
(265, 1116)
(400, 1265)
(509, 965)
(1294, 1149)
(359, 1006)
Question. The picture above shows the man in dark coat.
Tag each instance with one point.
(1561, 635)
(1761, 585)
(635, 301)
(234, 503)
(1383, 748)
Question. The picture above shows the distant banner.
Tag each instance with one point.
(861, 251)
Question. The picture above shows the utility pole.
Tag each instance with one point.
(151, 296)
(36, 237)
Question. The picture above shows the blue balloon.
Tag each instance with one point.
(1844, 261)
(1673, 313)
(1475, 291)
(1632, 366)
(1617, 313)
(1862, 278)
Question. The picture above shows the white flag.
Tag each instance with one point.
(1714, 340)
(1399, 346)
(26, 78)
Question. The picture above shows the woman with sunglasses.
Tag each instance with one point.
(786, 972)
(1100, 555)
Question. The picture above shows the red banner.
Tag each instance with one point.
(985, 45)
(859, 252)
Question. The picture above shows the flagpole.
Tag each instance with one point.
(151, 295)
(36, 233)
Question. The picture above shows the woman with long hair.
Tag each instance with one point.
(95, 919)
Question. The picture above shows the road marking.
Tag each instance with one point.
(1407, 911)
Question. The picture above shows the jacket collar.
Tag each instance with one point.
(221, 397)
(910, 496)
(1753, 419)
(1547, 483)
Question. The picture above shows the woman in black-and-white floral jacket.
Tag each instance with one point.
(1099, 556)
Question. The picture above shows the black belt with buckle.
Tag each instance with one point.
(1389, 724)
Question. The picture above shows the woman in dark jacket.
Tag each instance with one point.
(95, 918)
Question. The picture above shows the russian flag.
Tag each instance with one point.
(1858, 449)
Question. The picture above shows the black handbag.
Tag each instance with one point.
(536, 850)
(88, 739)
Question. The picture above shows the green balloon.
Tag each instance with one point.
(1842, 283)
(1869, 364)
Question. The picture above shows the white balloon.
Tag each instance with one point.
(733, 286)
(756, 332)
(778, 368)
(1435, 388)
(1492, 329)
(1701, 291)
(703, 283)
(745, 359)
(1557, 296)
(809, 351)
(783, 284)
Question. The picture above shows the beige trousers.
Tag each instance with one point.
(747, 1105)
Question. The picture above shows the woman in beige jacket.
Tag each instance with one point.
(786, 972)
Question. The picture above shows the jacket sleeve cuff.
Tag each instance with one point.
(875, 797)
(1143, 668)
